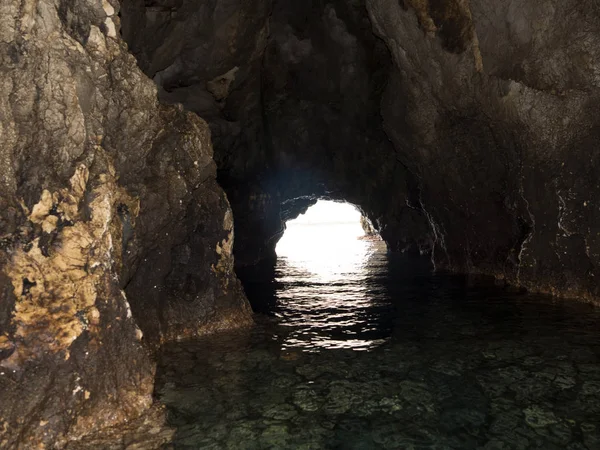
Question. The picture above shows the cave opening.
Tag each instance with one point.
(328, 238)
(326, 261)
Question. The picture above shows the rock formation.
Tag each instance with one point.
(300, 118)
(493, 106)
(489, 107)
(114, 235)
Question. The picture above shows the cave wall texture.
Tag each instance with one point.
(494, 107)
(114, 234)
(467, 129)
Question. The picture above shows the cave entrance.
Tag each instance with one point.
(326, 240)
(328, 261)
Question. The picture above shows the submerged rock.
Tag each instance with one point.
(537, 417)
(307, 398)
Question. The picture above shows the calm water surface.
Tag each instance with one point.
(372, 351)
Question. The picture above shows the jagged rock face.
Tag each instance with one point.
(490, 107)
(493, 106)
(207, 56)
(114, 234)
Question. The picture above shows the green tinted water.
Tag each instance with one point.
(385, 355)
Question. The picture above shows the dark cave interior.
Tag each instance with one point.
(275, 93)
(134, 135)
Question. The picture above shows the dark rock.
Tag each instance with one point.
(490, 109)
(499, 136)
(286, 130)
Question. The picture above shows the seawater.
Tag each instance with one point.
(374, 351)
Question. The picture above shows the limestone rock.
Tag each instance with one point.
(114, 235)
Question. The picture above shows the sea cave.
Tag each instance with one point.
(272, 224)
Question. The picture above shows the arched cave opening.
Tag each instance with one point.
(329, 233)
(284, 130)
(329, 242)
(326, 260)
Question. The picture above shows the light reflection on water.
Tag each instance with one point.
(323, 274)
(452, 363)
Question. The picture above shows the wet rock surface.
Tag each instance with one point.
(114, 235)
(148, 431)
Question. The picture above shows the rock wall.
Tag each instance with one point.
(490, 108)
(114, 235)
(493, 106)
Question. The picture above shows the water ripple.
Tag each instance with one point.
(328, 288)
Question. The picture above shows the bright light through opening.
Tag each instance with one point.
(326, 240)
(325, 261)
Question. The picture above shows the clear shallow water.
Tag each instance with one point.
(380, 353)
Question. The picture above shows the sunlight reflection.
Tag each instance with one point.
(325, 264)
(325, 241)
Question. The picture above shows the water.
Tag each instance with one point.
(330, 292)
(374, 352)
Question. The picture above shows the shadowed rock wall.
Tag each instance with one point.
(494, 107)
(114, 235)
(324, 73)
(491, 109)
